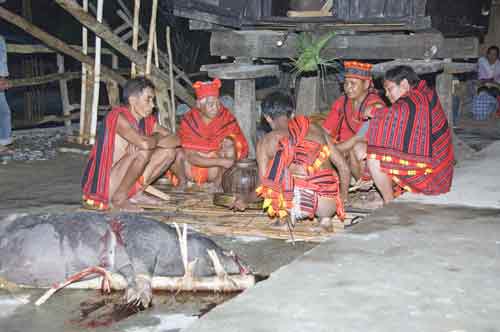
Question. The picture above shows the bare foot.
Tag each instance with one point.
(142, 198)
(126, 206)
(327, 224)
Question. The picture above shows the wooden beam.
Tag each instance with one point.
(55, 43)
(380, 46)
(425, 66)
(159, 78)
(39, 48)
(31, 81)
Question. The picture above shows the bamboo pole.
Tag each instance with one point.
(155, 49)
(233, 283)
(159, 78)
(171, 75)
(97, 75)
(152, 29)
(135, 34)
(83, 94)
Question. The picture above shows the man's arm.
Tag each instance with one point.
(125, 130)
(349, 144)
(4, 84)
(166, 139)
(266, 147)
(197, 159)
(338, 160)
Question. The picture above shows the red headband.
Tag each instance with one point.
(205, 89)
(360, 70)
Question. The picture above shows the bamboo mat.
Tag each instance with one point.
(197, 210)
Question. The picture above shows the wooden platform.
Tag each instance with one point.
(197, 210)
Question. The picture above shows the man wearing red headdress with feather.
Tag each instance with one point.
(211, 139)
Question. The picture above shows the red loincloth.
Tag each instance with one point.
(413, 142)
(95, 181)
(278, 186)
(198, 136)
(343, 121)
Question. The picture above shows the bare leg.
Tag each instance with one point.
(325, 211)
(160, 161)
(381, 179)
(354, 165)
(123, 178)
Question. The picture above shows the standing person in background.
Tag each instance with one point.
(5, 113)
(487, 99)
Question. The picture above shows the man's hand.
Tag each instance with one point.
(238, 204)
(226, 163)
(168, 142)
(370, 111)
(4, 84)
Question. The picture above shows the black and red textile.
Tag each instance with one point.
(277, 187)
(95, 181)
(413, 142)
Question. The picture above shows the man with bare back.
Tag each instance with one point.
(130, 152)
(211, 140)
(295, 160)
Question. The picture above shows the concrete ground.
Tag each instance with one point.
(418, 264)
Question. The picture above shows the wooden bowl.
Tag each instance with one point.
(226, 200)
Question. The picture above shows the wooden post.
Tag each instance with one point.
(97, 77)
(244, 111)
(493, 36)
(63, 88)
(152, 33)
(444, 85)
(308, 95)
(83, 95)
(171, 75)
(135, 33)
(112, 87)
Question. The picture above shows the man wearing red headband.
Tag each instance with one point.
(210, 137)
(347, 121)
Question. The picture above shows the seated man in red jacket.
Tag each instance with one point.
(410, 143)
(211, 139)
(348, 119)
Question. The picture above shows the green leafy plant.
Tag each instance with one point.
(309, 50)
